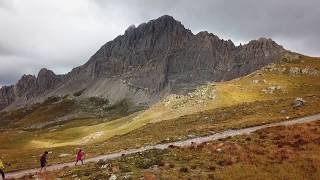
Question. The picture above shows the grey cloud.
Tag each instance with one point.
(63, 34)
(292, 23)
(12, 67)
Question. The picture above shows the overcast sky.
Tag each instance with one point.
(62, 34)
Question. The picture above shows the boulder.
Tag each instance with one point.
(113, 177)
(298, 102)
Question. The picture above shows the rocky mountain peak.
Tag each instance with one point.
(26, 78)
(163, 24)
(166, 18)
(263, 43)
(162, 31)
(25, 84)
(148, 62)
(45, 73)
(166, 22)
(46, 79)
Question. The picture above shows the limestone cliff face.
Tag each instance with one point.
(152, 60)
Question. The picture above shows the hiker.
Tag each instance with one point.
(80, 156)
(2, 170)
(43, 161)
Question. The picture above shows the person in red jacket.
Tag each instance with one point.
(80, 156)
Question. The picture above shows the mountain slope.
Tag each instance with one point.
(149, 62)
(244, 100)
(277, 92)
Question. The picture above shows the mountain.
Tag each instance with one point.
(147, 63)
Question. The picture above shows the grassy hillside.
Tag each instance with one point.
(267, 95)
(60, 111)
(275, 82)
(293, 76)
(273, 153)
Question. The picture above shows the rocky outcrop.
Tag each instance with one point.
(304, 71)
(25, 84)
(155, 59)
(29, 87)
(46, 80)
(7, 96)
(298, 102)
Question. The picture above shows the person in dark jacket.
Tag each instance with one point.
(43, 161)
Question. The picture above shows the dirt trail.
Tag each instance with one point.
(187, 142)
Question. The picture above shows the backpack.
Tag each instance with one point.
(43, 159)
(1, 165)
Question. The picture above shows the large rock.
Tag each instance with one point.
(298, 102)
(153, 60)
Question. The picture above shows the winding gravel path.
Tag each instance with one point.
(188, 142)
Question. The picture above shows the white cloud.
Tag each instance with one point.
(56, 34)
